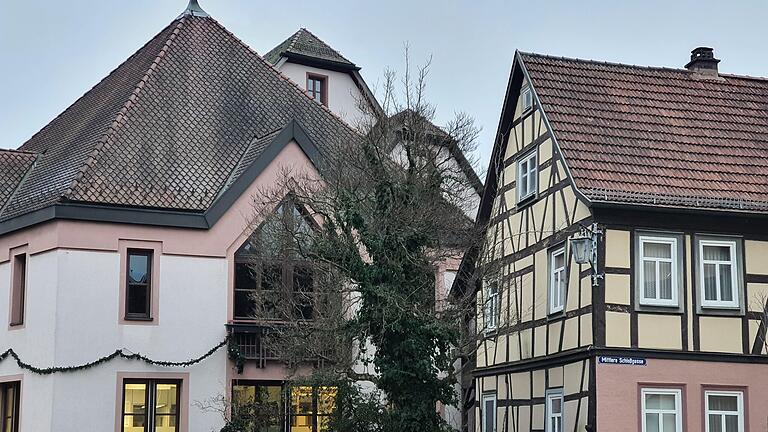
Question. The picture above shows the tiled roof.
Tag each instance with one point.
(13, 166)
(657, 136)
(304, 43)
(170, 128)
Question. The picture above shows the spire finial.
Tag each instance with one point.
(193, 9)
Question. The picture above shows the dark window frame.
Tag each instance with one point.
(149, 402)
(14, 417)
(286, 422)
(18, 289)
(147, 315)
(313, 91)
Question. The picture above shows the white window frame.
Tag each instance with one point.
(530, 173)
(678, 406)
(527, 98)
(672, 241)
(488, 397)
(551, 396)
(735, 285)
(739, 408)
(554, 291)
(491, 307)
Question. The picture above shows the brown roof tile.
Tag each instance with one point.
(170, 128)
(657, 136)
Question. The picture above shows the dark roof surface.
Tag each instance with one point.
(304, 43)
(170, 128)
(657, 136)
(13, 166)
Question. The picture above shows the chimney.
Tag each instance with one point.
(703, 61)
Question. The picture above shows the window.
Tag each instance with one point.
(268, 267)
(718, 274)
(489, 413)
(138, 288)
(151, 405)
(658, 272)
(554, 411)
(527, 97)
(259, 400)
(309, 407)
(724, 411)
(491, 306)
(661, 410)
(9, 406)
(18, 289)
(526, 177)
(558, 280)
(317, 87)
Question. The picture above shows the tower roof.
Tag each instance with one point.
(303, 46)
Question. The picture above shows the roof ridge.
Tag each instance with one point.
(281, 75)
(119, 119)
(606, 63)
(25, 152)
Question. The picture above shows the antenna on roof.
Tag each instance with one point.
(193, 9)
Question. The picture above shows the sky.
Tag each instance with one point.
(51, 52)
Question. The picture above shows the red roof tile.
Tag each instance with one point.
(657, 136)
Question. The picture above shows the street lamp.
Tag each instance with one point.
(584, 247)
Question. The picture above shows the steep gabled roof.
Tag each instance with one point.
(303, 45)
(14, 165)
(169, 128)
(657, 136)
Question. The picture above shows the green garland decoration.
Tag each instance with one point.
(118, 353)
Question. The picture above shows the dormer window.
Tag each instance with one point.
(270, 267)
(317, 87)
(527, 177)
(527, 96)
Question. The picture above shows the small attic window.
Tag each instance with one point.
(527, 97)
(317, 87)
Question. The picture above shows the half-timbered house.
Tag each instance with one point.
(623, 279)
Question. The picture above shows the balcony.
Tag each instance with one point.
(250, 339)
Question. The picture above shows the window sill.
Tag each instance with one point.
(141, 319)
(527, 201)
(659, 309)
(720, 310)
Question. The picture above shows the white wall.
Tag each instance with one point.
(343, 94)
(72, 318)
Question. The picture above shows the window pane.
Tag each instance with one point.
(723, 403)
(326, 400)
(657, 250)
(134, 423)
(726, 284)
(243, 394)
(653, 401)
(310, 84)
(557, 406)
(559, 259)
(165, 423)
(245, 276)
(669, 422)
(717, 253)
(301, 423)
(490, 415)
(715, 423)
(301, 400)
(652, 422)
(272, 277)
(245, 305)
(710, 283)
(731, 423)
(135, 397)
(523, 186)
(138, 268)
(649, 279)
(667, 401)
(665, 280)
(165, 399)
(137, 297)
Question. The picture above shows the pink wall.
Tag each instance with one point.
(618, 404)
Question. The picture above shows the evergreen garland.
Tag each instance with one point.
(118, 353)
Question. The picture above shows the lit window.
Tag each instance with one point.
(555, 411)
(491, 306)
(527, 97)
(18, 289)
(661, 410)
(658, 271)
(725, 412)
(527, 176)
(151, 405)
(9, 406)
(558, 280)
(138, 288)
(317, 87)
(718, 273)
(489, 413)
(262, 401)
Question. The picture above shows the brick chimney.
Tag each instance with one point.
(703, 61)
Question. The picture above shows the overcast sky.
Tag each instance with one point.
(52, 51)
